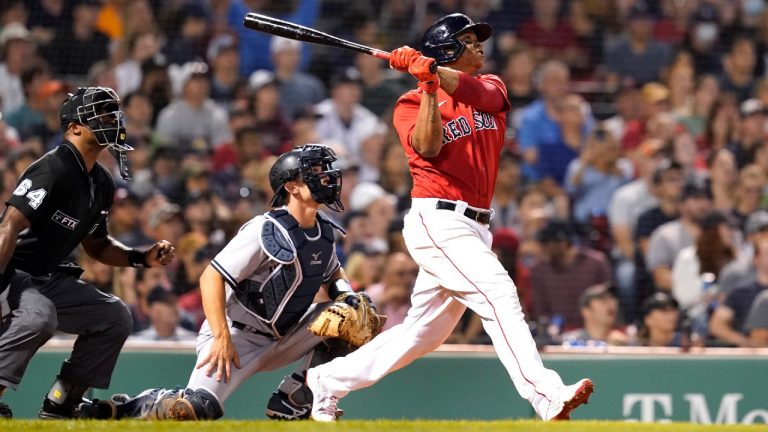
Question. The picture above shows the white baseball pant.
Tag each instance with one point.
(457, 270)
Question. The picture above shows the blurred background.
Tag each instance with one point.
(630, 197)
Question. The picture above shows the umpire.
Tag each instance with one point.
(60, 201)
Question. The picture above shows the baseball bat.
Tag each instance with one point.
(298, 32)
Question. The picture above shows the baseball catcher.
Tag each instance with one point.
(260, 301)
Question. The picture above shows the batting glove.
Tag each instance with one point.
(420, 68)
(401, 58)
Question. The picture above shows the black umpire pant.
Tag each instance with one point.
(41, 305)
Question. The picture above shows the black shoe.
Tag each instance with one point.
(280, 407)
(53, 411)
(97, 410)
(5, 411)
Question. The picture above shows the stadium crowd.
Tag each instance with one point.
(630, 206)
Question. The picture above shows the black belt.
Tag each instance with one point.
(483, 217)
(245, 327)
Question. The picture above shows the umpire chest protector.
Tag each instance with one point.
(298, 262)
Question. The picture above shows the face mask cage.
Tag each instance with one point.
(324, 182)
(100, 111)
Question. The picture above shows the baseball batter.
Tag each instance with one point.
(452, 130)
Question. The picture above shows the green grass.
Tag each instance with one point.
(364, 426)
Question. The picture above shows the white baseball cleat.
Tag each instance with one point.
(568, 398)
(324, 404)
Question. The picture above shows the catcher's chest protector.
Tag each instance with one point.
(298, 260)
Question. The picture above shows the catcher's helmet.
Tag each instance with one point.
(324, 185)
(440, 40)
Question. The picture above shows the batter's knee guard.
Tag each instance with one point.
(197, 404)
(291, 401)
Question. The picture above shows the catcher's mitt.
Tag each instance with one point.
(351, 317)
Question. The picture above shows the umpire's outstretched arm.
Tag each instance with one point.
(111, 252)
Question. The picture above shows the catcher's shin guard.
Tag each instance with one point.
(291, 401)
(197, 404)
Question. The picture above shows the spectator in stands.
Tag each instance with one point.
(517, 73)
(539, 134)
(756, 324)
(660, 327)
(508, 183)
(394, 177)
(189, 43)
(739, 63)
(599, 310)
(45, 17)
(729, 318)
(49, 134)
(141, 47)
(722, 123)
(17, 53)
(751, 132)
(548, 36)
(297, 89)
(124, 220)
(194, 121)
(82, 38)
(702, 262)
(680, 80)
(741, 272)
(344, 119)
(9, 140)
(254, 46)
(668, 180)
(704, 39)
(225, 62)
(37, 88)
(304, 126)
(563, 273)
(629, 201)
(638, 58)
(592, 179)
(377, 203)
(723, 174)
(164, 320)
(156, 83)
(268, 118)
(392, 294)
(704, 97)
(628, 105)
(138, 126)
(748, 195)
(654, 117)
(380, 89)
(669, 239)
(137, 296)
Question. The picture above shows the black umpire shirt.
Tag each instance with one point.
(64, 203)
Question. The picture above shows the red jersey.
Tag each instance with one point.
(465, 169)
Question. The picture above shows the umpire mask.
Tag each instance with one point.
(98, 108)
(324, 183)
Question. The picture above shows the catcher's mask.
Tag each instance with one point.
(324, 184)
(98, 109)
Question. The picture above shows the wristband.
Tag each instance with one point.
(339, 287)
(137, 258)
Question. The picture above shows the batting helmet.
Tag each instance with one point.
(324, 184)
(440, 40)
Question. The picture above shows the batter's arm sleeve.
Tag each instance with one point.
(243, 255)
(487, 93)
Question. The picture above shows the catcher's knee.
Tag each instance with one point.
(328, 350)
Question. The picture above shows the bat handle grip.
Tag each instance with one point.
(385, 55)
